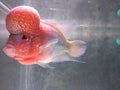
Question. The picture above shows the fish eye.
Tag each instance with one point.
(24, 37)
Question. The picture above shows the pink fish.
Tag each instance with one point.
(36, 41)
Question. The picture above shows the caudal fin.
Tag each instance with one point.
(76, 48)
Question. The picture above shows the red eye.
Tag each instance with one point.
(24, 37)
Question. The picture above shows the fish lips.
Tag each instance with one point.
(9, 50)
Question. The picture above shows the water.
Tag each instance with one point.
(95, 21)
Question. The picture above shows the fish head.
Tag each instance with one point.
(22, 46)
(22, 22)
(28, 42)
(29, 49)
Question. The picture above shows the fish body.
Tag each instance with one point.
(33, 41)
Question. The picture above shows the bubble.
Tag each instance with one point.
(118, 41)
(118, 12)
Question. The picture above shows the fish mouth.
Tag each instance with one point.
(9, 50)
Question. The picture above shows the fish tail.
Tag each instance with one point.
(76, 48)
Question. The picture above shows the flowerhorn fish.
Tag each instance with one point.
(36, 41)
